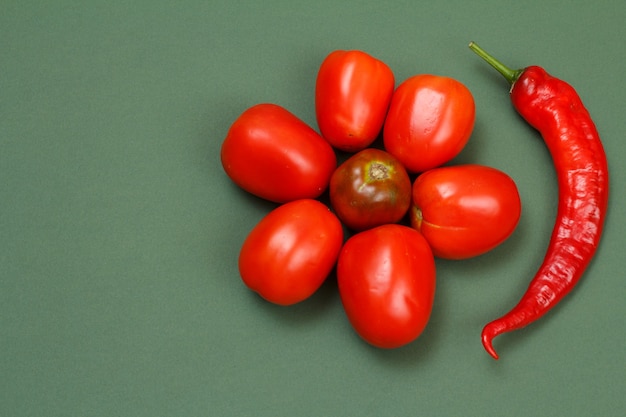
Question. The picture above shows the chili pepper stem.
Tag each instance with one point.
(509, 74)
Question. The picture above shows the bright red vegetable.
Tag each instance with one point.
(291, 251)
(386, 279)
(429, 122)
(274, 155)
(465, 210)
(370, 189)
(352, 94)
(554, 108)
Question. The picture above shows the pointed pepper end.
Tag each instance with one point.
(489, 332)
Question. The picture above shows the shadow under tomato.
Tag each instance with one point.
(311, 310)
(238, 197)
(474, 151)
(413, 355)
(489, 263)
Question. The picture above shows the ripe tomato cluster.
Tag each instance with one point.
(390, 210)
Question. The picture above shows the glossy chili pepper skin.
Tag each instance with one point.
(554, 108)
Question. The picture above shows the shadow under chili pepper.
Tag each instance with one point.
(531, 336)
(518, 342)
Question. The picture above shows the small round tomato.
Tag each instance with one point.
(465, 210)
(274, 155)
(352, 94)
(429, 122)
(369, 189)
(291, 251)
(386, 279)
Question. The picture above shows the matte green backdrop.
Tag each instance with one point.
(119, 231)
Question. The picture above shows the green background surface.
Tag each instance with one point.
(119, 231)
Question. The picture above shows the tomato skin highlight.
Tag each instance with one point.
(352, 93)
(465, 210)
(290, 252)
(429, 122)
(272, 154)
(386, 279)
(369, 189)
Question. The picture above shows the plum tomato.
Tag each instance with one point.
(386, 280)
(429, 122)
(272, 154)
(369, 189)
(290, 252)
(352, 94)
(465, 210)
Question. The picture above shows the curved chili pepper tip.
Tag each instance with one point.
(490, 331)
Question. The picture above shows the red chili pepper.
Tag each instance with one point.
(553, 107)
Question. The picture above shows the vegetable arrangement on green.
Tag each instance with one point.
(382, 216)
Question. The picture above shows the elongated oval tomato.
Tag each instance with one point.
(370, 189)
(465, 210)
(429, 122)
(386, 278)
(274, 155)
(352, 94)
(291, 251)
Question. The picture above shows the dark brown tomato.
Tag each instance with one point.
(370, 189)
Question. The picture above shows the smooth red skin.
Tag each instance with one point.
(429, 122)
(386, 279)
(274, 155)
(290, 252)
(352, 94)
(362, 201)
(466, 210)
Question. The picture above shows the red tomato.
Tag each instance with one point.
(272, 154)
(291, 251)
(430, 120)
(466, 210)
(370, 189)
(386, 278)
(352, 94)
